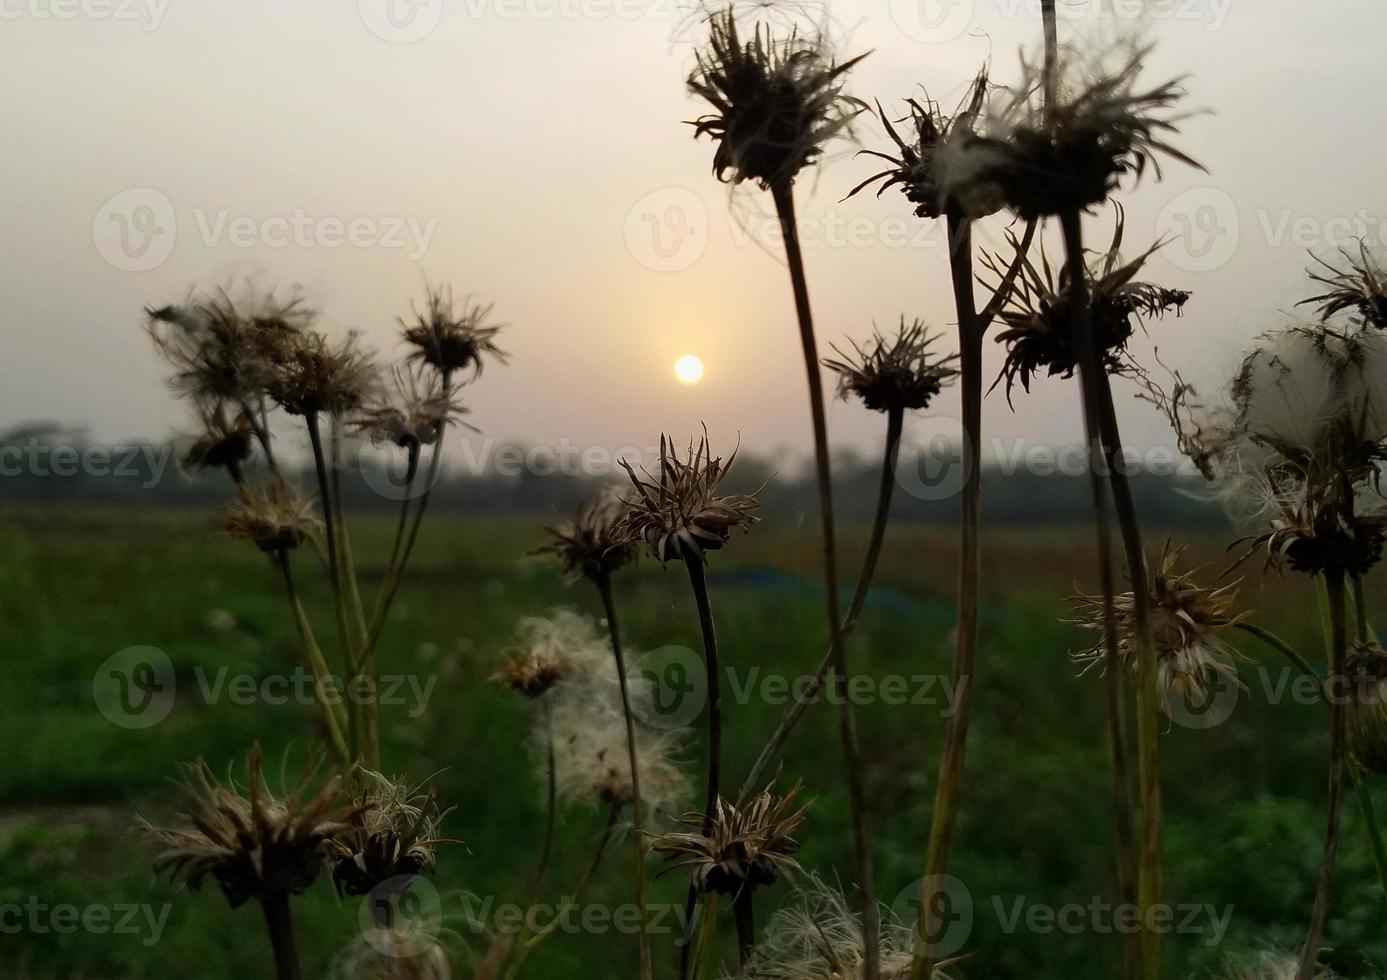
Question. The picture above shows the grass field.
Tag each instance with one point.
(1243, 798)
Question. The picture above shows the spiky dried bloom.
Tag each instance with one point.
(751, 844)
(1360, 287)
(1068, 154)
(277, 520)
(679, 512)
(253, 843)
(312, 375)
(223, 348)
(226, 440)
(589, 546)
(1187, 621)
(895, 374)
(1366, 669)
(453, 337)
(411, 412)
(819, 937)
(775, 101)
(927, 167)
(550, 649)
(393, 831)
(1039, 320)
(592, 761)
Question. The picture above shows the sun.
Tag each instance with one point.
(689, 369)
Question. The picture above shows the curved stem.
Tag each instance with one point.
(744, 911)
(894, 423)
(604, 586)
(322, 678)
(546, 848)
(783, 194)
(279, 920)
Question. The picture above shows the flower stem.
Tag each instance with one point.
(895, 420)
(783, 194)
(744, 911)
(279, 920)
(1337, 614)
(322, 678)
(604, 586)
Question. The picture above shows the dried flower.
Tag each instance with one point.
(549, 649)
(452, 338)
(1361, 287)
(775, 102)
(412, 412)
(225, 443)
(679, 513)
(1186, 622)
(1039, 318)
(591, 758)
(1058, 156)
(750, 844)
(589, 546)
(393, 832)
(927, 169)
(311, 375)
(1270, 966)
(253, 843)
(896, 374)
(277, 521)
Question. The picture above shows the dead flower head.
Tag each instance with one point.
(454, 338)
(412, 412)
(1038, 313)
(679, 513)
(255, 844)
(226, 440)
(277, 520)
(775, 101)
(589, 546)
(927, 164)
(1360, 287)
(311, 375)
(392, 833)
(551, 649)
(895, 374)
(750, 844)
(1066, 155)
(1187, 621)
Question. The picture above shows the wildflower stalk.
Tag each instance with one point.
(1336, 614)
(279, 920)
(744, 911)
(322, 677)
(895, 421)
(604, 586)
(783, 195)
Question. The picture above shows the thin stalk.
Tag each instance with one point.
(546, 847)
(604, 586)
(895, 420)
(783, 194)
(1097, 389)
(261, 430)
(744, 911)
(354, 614)
(705, 932)
(1363, 629)
(322, 677)
(1338, 651)
(279, 920)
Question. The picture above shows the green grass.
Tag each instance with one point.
(1243, 800)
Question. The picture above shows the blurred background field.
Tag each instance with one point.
(79, 582)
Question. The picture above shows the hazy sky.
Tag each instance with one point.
(532, 152)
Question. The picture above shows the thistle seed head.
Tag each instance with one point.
(589, 546)
(226, 440)
(895, 374)
(775, 101)
(392, 832)
(412, 412)
(1360, 287)
(453, 338)
(277, 520)
(311, 375)
(678, 512)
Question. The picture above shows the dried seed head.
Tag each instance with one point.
(412, 412)
(1270, 966)
(775, 101)
(678, 512)
(311, 375)
(393, 953)
(453, 338)
(750, 844)
(589, 546)
(550, 649)
(896, 374)
(226, 441)
(1187, 621)
(1038, 312)
(278, 520)
(934, 164)
(393, 832)
(256, 845)
(1361, 287)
